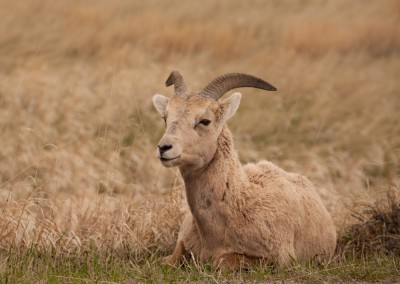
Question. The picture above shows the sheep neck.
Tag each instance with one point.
(209, 190)
(223, 171)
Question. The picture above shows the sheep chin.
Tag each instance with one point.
(168, 163)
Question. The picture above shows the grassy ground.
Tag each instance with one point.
(82, 195)
(92, 267)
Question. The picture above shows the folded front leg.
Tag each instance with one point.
(188, 242)
(176, 257)
(234, 261)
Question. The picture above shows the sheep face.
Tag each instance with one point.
(193, 124)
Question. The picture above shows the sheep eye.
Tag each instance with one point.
(165, 119)
(205, 122)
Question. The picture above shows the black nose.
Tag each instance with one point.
(164, 148)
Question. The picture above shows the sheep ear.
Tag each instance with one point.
(160, 103)
(230, 105)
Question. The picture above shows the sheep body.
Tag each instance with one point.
(239, 215)
(271, 215)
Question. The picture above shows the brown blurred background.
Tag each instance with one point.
(78, 131)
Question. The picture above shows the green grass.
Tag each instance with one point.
(33, 266)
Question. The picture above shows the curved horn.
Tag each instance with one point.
(222, 84)
(176, 79)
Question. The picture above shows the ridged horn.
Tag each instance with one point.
(222, 84)
(176, 79)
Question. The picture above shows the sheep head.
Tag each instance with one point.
(194, 121)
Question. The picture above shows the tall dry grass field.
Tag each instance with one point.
(78, 132)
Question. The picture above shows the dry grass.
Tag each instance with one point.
(78, 131)
(377, 230)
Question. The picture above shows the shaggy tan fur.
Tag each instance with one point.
(239, 215)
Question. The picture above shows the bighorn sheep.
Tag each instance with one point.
(239, 215)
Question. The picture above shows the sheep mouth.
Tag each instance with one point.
(169, 159)
(170, 162)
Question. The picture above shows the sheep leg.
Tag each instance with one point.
(176, 256)
(234, 261)
(188, 242)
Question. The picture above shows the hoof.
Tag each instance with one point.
(169, 260)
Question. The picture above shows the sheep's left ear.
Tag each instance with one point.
(230, 105)
(160, 103)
